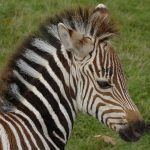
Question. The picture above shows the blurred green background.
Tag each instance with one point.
(19, 17)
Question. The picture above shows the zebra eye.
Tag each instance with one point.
(104, 84)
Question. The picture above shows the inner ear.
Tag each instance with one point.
(65, 36)
(74, 41)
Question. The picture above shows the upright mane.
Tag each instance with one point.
(81, 20)
(78, 19)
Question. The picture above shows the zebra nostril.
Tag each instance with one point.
(127, 135)
(133, 132)
(147, 127)
(138, 128)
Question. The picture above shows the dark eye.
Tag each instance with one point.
(104, 84)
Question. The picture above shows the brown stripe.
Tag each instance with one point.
(95, 65)
(111, 111)
(121, 124)
(115, 118)
(97, 109)
(36, 137)
(25, 131)
(1, 147)
(91, 91)
(11, 137)
(23, 144)
(84, 85)
(63, 60)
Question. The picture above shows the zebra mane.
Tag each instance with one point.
(82, 20)
(78, 19)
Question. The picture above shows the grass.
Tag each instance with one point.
(18, 18)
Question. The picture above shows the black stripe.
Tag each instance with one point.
(10, 135)
(24, 131)
(35, 135)
(23, 144)
(50, 80)
(91, 91)
(50, 38)
(37, 103)
(63, 60)
(109, 112)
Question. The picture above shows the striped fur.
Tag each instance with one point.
(47, 84)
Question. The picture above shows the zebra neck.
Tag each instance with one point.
(53, 119)
(19, 131)
(50, 123)
(41, 90)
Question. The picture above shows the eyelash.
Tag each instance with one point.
(104, 84)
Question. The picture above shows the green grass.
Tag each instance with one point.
(19, 17)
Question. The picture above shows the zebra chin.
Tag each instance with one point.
(133, 132)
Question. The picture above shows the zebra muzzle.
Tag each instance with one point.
(133, 132)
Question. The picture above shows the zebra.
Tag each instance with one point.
(68, 66)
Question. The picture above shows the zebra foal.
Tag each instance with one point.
(66, 67)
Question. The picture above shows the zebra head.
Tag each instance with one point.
(100, 81)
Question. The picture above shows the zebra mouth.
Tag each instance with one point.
(133, 132)
(128, 136)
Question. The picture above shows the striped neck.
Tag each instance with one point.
(43, 91)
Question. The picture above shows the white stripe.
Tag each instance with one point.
(102, 108)
(73, 72)
(22, 132)
(117, 127)
(105, 64)
(34, 128)
(39, 60)
(32, 72)
(56, 135)
(121, 120)
(122, 94)
(71, 82)
(84, 88)
(43, 46)
(102, 51)
(113, 67)
(98, 62)
(85, 107)
(24, 125)
(15, 91)
(63, 70)
(4, 138)
(113, 114)
(52, 29)
(78, 97)
(64, 52)
(18, 142)
(44, 101)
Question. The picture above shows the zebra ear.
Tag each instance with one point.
(74, 41)
(64, 36)
(101, 10)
